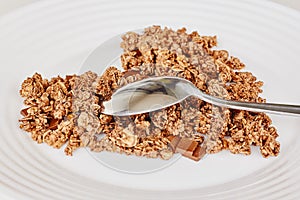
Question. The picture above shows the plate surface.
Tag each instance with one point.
(55, 37)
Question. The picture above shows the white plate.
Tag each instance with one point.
(54, 37)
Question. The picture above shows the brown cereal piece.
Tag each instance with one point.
(244, 87)
(107, 123)
(125, 141)
(49, 102)
(176, 49)
(33, 88)
(86, 108)
(128, 137)
(90, 122)
(64, 110)
(235, 63)
(218, 129)
(83, 90)
(182, 119)
(107, 83)
(74, 143)
(225, 71)
(59, 136)
(248, 129)
(131, 59)
(221, 55)
(206, 41)
(123, 137)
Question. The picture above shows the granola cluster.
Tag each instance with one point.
(69, 110)
(49, 117)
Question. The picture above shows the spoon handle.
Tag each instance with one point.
(283, 109)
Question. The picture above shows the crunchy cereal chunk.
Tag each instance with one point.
(49, 103)
(33, 88)
(61, 109)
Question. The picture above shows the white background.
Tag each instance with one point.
(9, 5)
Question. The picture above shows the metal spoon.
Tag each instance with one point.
(155, 93)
